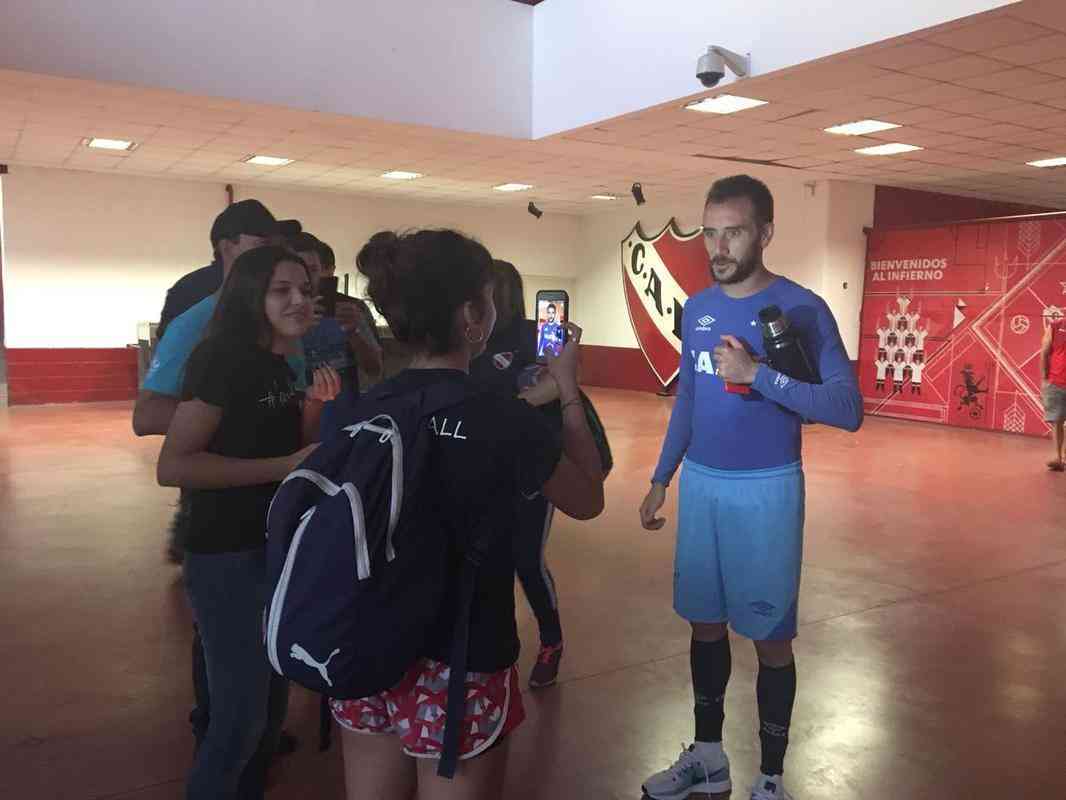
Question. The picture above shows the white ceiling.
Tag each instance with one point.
(982, 96)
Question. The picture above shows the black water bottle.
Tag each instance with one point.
(784, 350)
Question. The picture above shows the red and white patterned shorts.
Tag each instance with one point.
(414, 709)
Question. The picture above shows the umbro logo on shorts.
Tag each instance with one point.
(704, 323)
(763, 609)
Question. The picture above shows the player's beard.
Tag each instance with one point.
(744, 268)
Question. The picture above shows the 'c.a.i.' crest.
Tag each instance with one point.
(659, 274)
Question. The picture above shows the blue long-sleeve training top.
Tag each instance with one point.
(762, 429)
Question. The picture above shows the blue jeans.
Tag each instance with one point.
(227, 592)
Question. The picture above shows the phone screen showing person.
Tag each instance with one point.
(327, 290)
(552, 316)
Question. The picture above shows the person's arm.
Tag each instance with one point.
(676, 443)
(1045, 351)
(326, 386)
(152, 413)
(356, 321)
(185, 462)
(679, 431)
(836, 401)
(576, 485)
(158, 398)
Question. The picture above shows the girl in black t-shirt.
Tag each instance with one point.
(435, 289)
(510, 356)
(238, 431)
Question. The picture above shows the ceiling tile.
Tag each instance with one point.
(1007, 79)
(1046, 48)
(962, 67)
(913, 54)
(983, 35)
(1038, 93)
(1001, 132)
(1056, 67)
(941, 93)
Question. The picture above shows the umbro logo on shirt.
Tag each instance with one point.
(704, 323)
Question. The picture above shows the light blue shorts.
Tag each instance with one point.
(740, 549)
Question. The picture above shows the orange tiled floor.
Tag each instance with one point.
(931, 653)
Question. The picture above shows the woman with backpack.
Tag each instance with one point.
(510, 357)
(435, 289)
(238, 431)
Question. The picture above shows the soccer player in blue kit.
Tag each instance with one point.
(552, 335)
(741, 503)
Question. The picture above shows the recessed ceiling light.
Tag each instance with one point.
(603, 197)
(862, 127)
(400, 175)
(1048, 162)
(512, 187)
(268, 161)
(888, 149)
(110, 144)
(724, 104)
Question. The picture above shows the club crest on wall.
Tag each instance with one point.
(659, 274)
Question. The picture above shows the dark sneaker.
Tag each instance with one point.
(546, 670)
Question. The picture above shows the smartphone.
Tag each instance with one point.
(553, 307)
(327, 289)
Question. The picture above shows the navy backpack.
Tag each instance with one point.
(358, 561)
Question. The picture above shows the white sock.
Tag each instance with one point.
(709, 752)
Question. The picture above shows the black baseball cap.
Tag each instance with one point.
(290, 227)
(252, 218)
(305, 242)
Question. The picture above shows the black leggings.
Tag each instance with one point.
(530, 540)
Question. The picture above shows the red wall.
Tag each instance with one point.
(71, 375)
(894, 207)
(980, 295)
(618, 368)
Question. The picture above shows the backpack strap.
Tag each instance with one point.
(456, 707)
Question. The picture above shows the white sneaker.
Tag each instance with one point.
(769, 787)
(689, 774)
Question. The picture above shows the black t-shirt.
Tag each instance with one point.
(508, 351)
(188, 291)
(505, 449)
(261, 418)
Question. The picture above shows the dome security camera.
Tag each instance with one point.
(710, 69)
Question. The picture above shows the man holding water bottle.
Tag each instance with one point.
(737, 425)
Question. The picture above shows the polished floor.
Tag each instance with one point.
(932, 651)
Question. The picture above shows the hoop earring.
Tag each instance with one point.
(480, 336)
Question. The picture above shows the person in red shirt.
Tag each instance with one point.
(1053, 366)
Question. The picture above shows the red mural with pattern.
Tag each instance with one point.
(952, 321)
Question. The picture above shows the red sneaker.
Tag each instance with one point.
(546, 670)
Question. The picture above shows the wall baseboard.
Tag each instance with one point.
(70, 375)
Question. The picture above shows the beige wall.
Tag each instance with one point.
(90, 255)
